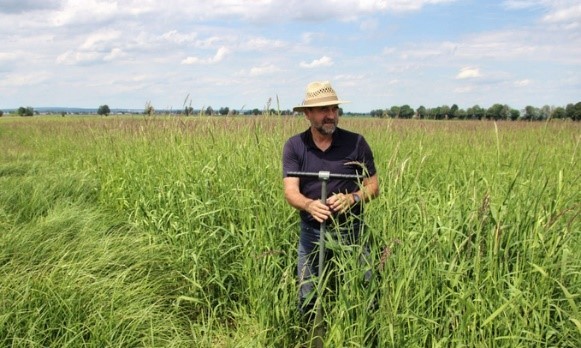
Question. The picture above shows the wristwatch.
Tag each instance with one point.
(356, 198)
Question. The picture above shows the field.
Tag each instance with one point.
(174, 232)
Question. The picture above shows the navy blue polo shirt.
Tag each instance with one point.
(349, 153)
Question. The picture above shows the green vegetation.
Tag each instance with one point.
(25, 111)
(495, 112)
(145, 231)
(104, 110)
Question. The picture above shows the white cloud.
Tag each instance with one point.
(464, 89)
(99, 39)
(175, 36)
(369, 25)
(468, 73)
(321, 62)
(263, 70)
(78, 57)
(261, 43)
(307, 38)
(571, 13)
(26, 79)
(208, 42)
(349, 77)
(349, 80)
(522, 83)
(86, 11)
(261, 11)
(12, 56)
(561, 11)
(192, 60)
(403, 5)
(218, 57)
(115, 54)
(388, 51)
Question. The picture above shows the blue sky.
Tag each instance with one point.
(241, 53)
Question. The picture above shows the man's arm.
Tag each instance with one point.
(296, 199)
(341, 202)
(369, 189)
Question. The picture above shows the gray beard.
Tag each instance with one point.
(327, 131)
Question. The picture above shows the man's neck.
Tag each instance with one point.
(322, 141)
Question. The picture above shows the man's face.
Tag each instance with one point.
(323, 118)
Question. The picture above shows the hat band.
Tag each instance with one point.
(320, 100)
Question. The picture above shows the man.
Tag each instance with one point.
(325, 147)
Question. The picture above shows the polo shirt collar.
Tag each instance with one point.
(311, 143)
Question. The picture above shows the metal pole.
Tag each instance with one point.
(319, 329)
(324, 177)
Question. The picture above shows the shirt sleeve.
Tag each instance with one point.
(290, 158)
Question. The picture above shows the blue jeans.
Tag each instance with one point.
(308, 257)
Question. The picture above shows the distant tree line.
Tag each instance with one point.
(444, 112)
(25, 111)
(495, 112)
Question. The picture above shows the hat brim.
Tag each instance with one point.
(301, 108)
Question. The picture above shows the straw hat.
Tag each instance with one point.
(319, 93)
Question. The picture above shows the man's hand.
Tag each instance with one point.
(318, 210)
(340, 202)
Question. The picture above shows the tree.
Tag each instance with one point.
(505, 112)
(530, 113)
(494, 112)
(421, 111)
(393, 112)
(475, 112)
(224, 111)
(442, 112)
(461, 114)
(104, 110)
(546, 112)
(570, 110)
(453, 111)
(573, 111)
(1, 113)
(25, 111)
(514, 114)
(406, 111)
(381, 113)
(559, 113)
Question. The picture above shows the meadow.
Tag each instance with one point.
(173, 232)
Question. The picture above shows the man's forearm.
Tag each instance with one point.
(369, 189)
(298, 200)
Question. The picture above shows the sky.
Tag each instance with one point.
(241, 54)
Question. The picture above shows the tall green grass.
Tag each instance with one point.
(174, 232)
